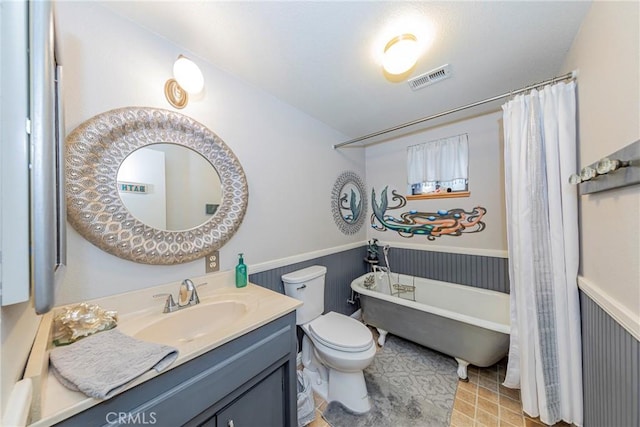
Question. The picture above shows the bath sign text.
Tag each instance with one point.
(133, 187)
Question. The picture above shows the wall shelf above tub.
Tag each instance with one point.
(451, 195)
(593, 178)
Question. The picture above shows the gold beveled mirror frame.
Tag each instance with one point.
(94, 152)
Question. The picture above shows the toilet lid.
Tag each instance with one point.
(341, 332)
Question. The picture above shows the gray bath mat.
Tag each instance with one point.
(409, 386)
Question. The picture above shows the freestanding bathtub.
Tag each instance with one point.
(467, 323)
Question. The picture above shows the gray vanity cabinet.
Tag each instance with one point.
(260, 406)
(247, 382)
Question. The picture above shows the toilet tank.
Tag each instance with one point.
(306, 285)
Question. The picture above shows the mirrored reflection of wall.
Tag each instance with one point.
(169, 187)
(192, 183)
(145, 167)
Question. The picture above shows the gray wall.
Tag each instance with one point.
(342, 268)
(473, 270)
(610, 369)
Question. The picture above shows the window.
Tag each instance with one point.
(439, 168)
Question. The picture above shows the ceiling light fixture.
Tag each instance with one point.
(400, 54)
(187, 78)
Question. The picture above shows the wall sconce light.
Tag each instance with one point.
(400, 54)
(187, 79)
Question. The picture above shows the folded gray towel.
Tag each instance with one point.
(101, 365)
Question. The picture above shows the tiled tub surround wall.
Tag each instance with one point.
(610, 369)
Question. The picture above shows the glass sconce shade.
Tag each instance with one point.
(187, 79)
(400, 54)
(188, 75)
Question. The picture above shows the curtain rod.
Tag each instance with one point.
(568, 76)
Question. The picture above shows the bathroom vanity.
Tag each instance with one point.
(238, 374)
(245, 382)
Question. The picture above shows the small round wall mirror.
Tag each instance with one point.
(349, 202)
(110, 162)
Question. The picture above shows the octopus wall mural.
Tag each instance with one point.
(452, 222)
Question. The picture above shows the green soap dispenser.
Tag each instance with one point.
(241, 273)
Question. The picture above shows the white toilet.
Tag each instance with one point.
(335, 348)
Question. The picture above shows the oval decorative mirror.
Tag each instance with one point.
(349, 202)
(153, 186)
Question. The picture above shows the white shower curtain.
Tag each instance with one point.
(545, 359)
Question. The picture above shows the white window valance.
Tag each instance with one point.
(442, 160)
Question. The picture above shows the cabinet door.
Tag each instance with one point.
(261, 406)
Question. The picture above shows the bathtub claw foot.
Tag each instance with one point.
(462, 369)
(383, 336)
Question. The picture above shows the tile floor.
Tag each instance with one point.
(482, 401)
(320, 407)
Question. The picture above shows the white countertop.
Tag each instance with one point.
(52, 402)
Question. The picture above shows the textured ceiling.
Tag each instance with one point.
(321, 57)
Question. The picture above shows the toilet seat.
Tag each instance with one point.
(341, 332)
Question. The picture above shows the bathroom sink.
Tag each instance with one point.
(192, 323)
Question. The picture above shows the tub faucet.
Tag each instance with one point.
(382, 271)
(385, 251)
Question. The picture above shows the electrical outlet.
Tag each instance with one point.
(212, 262)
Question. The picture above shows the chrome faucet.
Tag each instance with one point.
(187, 297)
(188, 294)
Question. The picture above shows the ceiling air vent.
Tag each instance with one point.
(430, 77)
